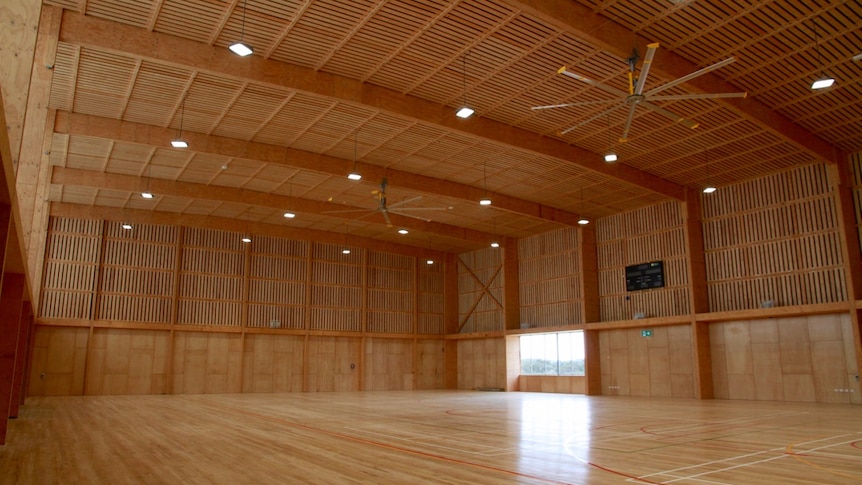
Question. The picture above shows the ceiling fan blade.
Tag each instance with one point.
(671, 116)
(603, 87)
(592, 118)
(691, 76)
(625, 136)
(676, 97)
(406, 201)
(346, 211)
(650, 53)
(386, 218)
(413, 217)
(410, 209)
(582, 103)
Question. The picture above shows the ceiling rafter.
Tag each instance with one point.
(125, 131)
(607, 34)
(100, 180)
(105, 35)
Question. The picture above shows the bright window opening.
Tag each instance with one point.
(553, 354)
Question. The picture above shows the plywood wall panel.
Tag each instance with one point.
(273, 363)
(803, 359)
(58, 362)
(431, 368)
(482, 363)
(127, 362)
(206, 363)
(388, 364)
(333, 364)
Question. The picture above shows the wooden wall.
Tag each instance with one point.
(162, 309)
(658, 366)
(649, 234)
(809, 359)
(776, 239)
(482, 363)
(480, 291)
(550, 279)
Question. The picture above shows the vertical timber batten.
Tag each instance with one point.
(589, 265)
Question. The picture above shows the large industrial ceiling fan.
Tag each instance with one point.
(637, 97)
(385, 209)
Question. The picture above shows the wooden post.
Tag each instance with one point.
(450, 319)
(692, 213)
(511, 286)
(590, 309)
(11, 303)
(24, 329)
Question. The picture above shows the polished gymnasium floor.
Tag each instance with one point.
(453, 437)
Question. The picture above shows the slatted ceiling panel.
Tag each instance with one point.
(65, 76)
(174, 18)
(154, 93)
(103, 79)
(208, 98)
(125, 158)
(249, 111)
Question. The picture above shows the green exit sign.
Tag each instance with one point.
(646, 333)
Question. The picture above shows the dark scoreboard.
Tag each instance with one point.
(645, 276)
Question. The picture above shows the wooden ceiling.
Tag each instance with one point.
(373, 85)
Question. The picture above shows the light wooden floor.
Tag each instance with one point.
(429, 437)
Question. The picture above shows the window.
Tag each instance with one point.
(553, 354)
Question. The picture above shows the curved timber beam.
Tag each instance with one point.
(114, 37)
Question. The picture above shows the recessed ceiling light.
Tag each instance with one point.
(611, 157)
(246, 239)
(429, 261)
(495, 244)
(583, 221)
(127, 226)
(345, 251)
(709, 189)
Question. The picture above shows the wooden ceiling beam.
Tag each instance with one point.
(124, 131)
(133, 216)
(114, 37)
(612, 37)
(161, 187)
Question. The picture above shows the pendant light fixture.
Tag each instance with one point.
(246, 237)
(146, 194)
(494, 242)
(178, 142)
(239, 48)
(610, 156)
(709, 187)
(345, 249)
(824, 81)
(126, 226)
(485, 200)
(583, 219)
(354, 174)
(465, 111)
(289, 214)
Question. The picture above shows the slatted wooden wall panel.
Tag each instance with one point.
(550, 279)
(651, 233)
(211, 278)
(277, 283)
(391, 292)
(774, 239)
(431, 299)
(657, 366)
(273, 363)
(71, 264)
(336, 288)
(127, 362)
(480, 291)
(808, 359)
(137, 277)
(388, 364)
